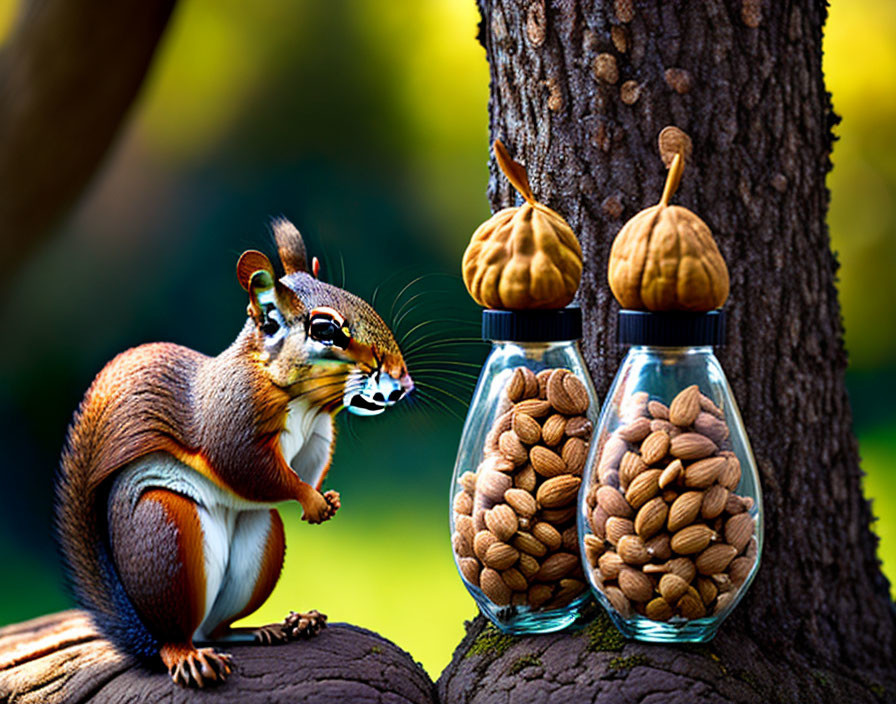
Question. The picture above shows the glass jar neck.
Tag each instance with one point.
(534, 346)
(671, 352)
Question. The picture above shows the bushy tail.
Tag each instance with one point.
(82, 535)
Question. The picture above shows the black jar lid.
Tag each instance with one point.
(670, 328)
(532, 325)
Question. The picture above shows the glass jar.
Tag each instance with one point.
(514, 493)
(671, 515)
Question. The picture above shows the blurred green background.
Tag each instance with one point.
(365, 122)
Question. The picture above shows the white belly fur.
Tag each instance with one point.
(235, 531)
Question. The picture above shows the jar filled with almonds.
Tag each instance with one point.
(671, 512)
(514, 496)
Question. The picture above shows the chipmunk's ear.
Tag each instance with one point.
(256, 275)
(290, 246)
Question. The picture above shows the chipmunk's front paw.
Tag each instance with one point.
(196, 667)
(333, 501)
(294, 627)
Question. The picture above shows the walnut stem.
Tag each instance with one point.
(515, 173)
(672, 179)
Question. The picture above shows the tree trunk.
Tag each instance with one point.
(68, 74)
(61, 659)
(744, 80)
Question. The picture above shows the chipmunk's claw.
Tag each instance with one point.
(196, 667)
(334, 501)
(296, 626)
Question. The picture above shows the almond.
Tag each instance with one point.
(491, 485)
(655, 447)
(527, 565)
(658, 609)
(542, 378)
(643, 488)
(714, 501)
(635, 431)
(482, 541)
(594, 548)
(467, 481)
(526, 428)
(463, 503)
(531, 388)
(547, 535)
(738, 531)
(611, 453)
(516, 385)
(703, 473)
(729, 477)
(567, 393)
(630, 467)
(653, 568)
(528, 543)
(500, 556)
(534, 407)
(558, 491)
(690, 605)
(556, 566)
(579, 427)
(598, 522)
(709, 406)
(514, 579)
(569, 588)
(461, 544)
(469, 569)
(618, 527)
(739, 570)
(635, 584)
(574, 454)
(707, 589)
(685, 406)
(553, 430)
(610, 564)
(691, 446)
(735, 504)
(539, 594)
(493, 587)
(512, 448)
(715, 558)
(518, 599)
(656, 409)
(613, 503)
(525, 478)
(710, 426)
(659, 546)
(634, 406)
(570, 539)
(692, 539)
(497, 462)
(723, 602)
(618, 600)
(559, 516)
(651, 517)
(521, 501)
(502, 521)
(547, 462)
(670, 429)
(464, 526)
(672, 587)
(683, 567)
(632, 550)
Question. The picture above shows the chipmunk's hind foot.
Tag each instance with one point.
(296, 626)
(196, 667)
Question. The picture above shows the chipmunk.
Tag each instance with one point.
(174, 459)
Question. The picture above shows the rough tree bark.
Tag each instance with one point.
(68, 74)
(61, 659)
(579, 91)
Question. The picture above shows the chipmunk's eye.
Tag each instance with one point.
(326, 329)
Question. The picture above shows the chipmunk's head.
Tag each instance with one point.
(318, 340)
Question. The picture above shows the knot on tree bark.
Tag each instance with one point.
(61, 658)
